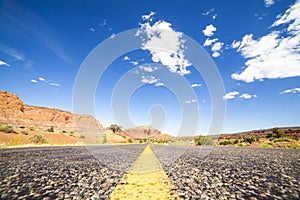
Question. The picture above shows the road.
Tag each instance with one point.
(194, 173)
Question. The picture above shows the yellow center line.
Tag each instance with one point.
(146, 180)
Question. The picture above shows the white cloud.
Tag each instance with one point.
(4, 63)
(148, 17)
(113, 36)
(159, 84)
(215, 54)
(231, 95)
(196, 85)
(33, 81)
(209, 30)
(247, 96)
(235, 44)
(134, 63)
(93, 30)
(190, 101)
(54, 84)
(208, 12)
(149, 68)
(269, 3)
(214, 16)
(168, 43)
(217, 46)
(275, 55)
(126, 58)
(42, 79)
(209, 42)
(149, 79)
(294, 90)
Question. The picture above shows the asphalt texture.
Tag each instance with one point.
(197, 172)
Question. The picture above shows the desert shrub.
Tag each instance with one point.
(243, 144)
(64, 131)
(32, 128)
(51, 129)
(225, 142)
(82, 136)
(294, 146)
(21, 126)
(282, 139)
(278, 133)
(251, 139)
(204, 140)
(265, 146)
(24, 132)
(104, 139)
(130, 140)
(71, 134)
(38, 139)
(269, 135)
(236, 141)
(7, 129)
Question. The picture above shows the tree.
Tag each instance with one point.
(115, 128)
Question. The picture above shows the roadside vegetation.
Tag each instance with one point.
(275, 137)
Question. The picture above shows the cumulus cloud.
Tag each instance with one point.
(196, 85)
(168, 43)
(269, 3)
(4, 63)
(231, 95)
(134, 63)
(149, 79)
(149, 68)
(93, 30)
(159, 84)
(209, 30)
(234, 94)
(209, 42)
(148, 17)
(294, 90)
(275, 55)
(247, 96)
(33, 81)
(216, 48)
(126, 58)
(235, 44)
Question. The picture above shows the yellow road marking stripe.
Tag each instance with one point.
(146, 180)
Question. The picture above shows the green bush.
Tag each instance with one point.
(7, 129)
(236, 141)
(225, 142)
(130, 140)
(204, 140)
(282, 139)
(294, 146)
(38, 139)
(51, 129)
(32, 128)
(265, 146)
(24, 132)
(243, 144)
(21, 126)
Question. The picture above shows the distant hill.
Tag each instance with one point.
(14, 113)
(146, 132)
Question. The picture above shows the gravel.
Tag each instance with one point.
(232, 172)
(64, 172)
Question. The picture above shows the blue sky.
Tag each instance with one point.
(255, 46)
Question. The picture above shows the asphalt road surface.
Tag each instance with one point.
(196, 172)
